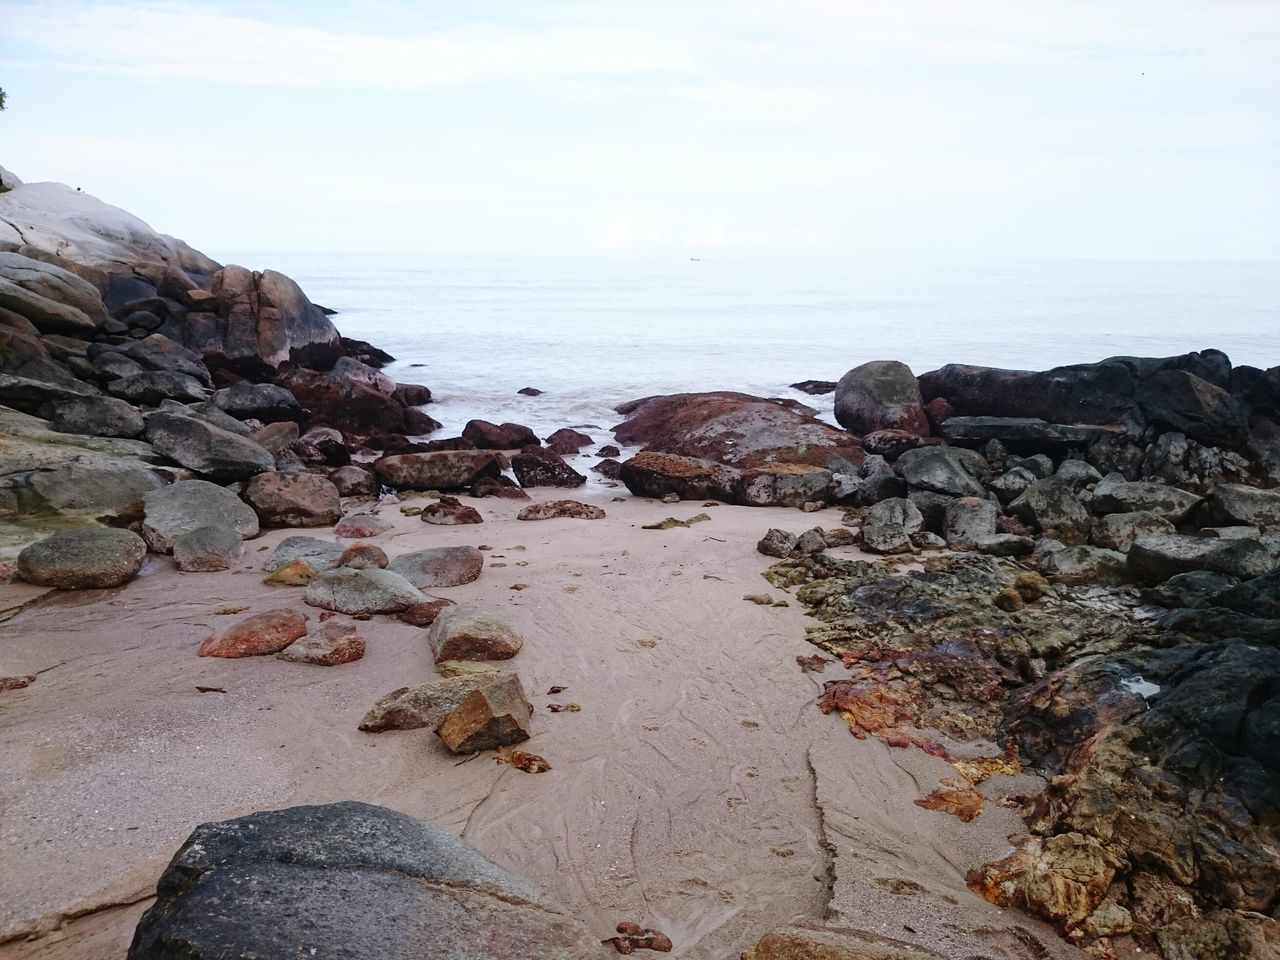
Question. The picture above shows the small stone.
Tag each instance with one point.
(426, 705)
(264, 633)
(495, 715)
(777, 543)
(464, 633)
(333, 643)
(671, 498)
(763, 599)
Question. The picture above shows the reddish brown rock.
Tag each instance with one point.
(293, 500)
(939, 411)
(360, 556)
(423, 614)
(332, 643)
(464, 633)
(651, 474)
(536, 467)
(438, 470)
(353, 481)
(501, 487)
(632, 937)
(449, 511)
(484, 435)
(16, 683)
(439, 566)
(550, 509)
(496, 714)
(566, 441)
(255, 636)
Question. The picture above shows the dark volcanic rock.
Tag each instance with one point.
(483, 435)
(734, 429)
(880, 395)
(609, 468)
(1179, 400)
(536, 467)
(1022, 432)
(353, 880)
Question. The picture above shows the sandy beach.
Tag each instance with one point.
(698, 790)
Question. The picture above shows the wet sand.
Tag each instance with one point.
(699, 790)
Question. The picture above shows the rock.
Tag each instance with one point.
(319, 554)
(1229, 533)
(152, 386)
(1114, 494)
(1257, 598)
(295, 573)
(493, 715)
(189, 505)
(815, 388)
(206, 549)
(484, 435)
(278, 439)
(951, 470)
(354, 880)
(1235, 503)
(464, 633)
(967, 520)
(362, 556)
(1053, 507)
(351, 398)
(536, 467)
(551, 509)
(93, 558)
(362, 591)
(502, 487)
(1154, 559)
(297, 500)
(425, 706)
(50, 298)
(880, 395)
(1023, 432)
(441, 470)
(97, 417)
(650, 474)
(206, 449)
(784, 485)
(609, 469)
(261, 401)
(1194, 589)
(1117, 531)
(566, 441)
(158, 352)
(1004, 545)
(449, 511)
(733, 429)
(811, 541)
(1012, 483)
(1179, 400)
(1084, 564)
(1040, 465)
(413, 394)
(439, 566)
(832, 943)
(529, 392)
(423, 614)
(608, 450)
(888, 526)
(777, 543)
(361, 526)
(891, 444)
(353, 481)
(1078, 473)
(332, 643)
(322, 446)
(255, 636)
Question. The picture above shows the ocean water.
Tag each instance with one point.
(594, 332)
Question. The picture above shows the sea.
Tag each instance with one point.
(593, 332)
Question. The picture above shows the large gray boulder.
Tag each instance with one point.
(880, 395)
(967, 520)
(52, 299)
(189, 505)
(1114, 494)
(97, 417)
(151, 386)
(261, 401)
(200, 446)
(437, 470)
(888, 526)
(1235, 503)
(158, 352)
(955, 471)
(368, 590)
(319, 554)
(439, 566)
(1155, 559)
(88, 559)
(1053, 507)
(1118, 531)
(352, 882)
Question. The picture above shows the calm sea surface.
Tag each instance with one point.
(594, 332)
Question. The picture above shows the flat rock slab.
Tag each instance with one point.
(362, 591)
(464, 633)
(189, 505)
(1155, 559)
(439, 566)
(550, 509)
(89, 559)
(349, 880)
(1023, 430)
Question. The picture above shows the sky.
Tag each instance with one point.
(1133, 129)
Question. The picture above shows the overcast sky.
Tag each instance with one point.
(1120, 128)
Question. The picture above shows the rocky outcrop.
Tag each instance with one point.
(352, 880)
(52, 299)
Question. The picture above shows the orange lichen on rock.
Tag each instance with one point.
(528, 762)
(633, 937)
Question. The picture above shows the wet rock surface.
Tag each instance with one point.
(91, 559)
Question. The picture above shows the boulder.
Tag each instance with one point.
(360, 526)
(491, 716)
(734, 429)
(206, 549)
(440, 470)
(536, 467)
(426, 705)
(152, 386)
(412, 394)
(346, 399)
(52, 299)
(361, 556)
(353, 880)
(423, 614)
(464, 633)
(319, 554)
(353, 481)
(1179, 400)
(484, 435)
(1078, 473)
(651, 474)
(158, 352)
(93, 558)
(1235, 503)
(204, 448)
(334, 642)
(1083, 564)
(891, 444)
(967, 520)
(1053, 507)
(362, 591)
(551, 509)
(97, 417)
(449, 511)
(1118, 531)
(1021, 433)
(951, 470)
(1012, 483)
(278, 439)
(785, 485)
(261, 401)
(189, 505)
(439, 566)
(888, 526)
(297, 500)
(1154, 559)
(566, 441)
(608, 468)
(1197, 588)
(777, 543)
(35, 396)
(1004, 545)
(880, 395)
(1114, 494)
(256, 636)
(322, 446)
